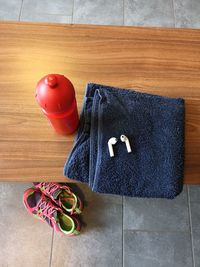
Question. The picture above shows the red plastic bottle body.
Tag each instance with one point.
(56, 96)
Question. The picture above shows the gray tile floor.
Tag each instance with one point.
(118, 231)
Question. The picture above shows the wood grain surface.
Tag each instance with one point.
(154, 60)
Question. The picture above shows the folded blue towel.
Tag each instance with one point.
(154, 126)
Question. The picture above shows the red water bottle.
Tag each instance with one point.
(56, 96)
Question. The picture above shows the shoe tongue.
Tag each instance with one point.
(56, 193)
(55, 214)
(48, 220)
(34, 199)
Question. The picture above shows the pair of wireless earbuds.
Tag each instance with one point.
(113, 140)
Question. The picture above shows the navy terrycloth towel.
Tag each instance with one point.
(154, 126)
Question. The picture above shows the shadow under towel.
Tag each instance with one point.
(154, 126)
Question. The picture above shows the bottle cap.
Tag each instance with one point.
(51, 80)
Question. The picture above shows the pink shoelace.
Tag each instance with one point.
(47, 209)
(50, 188)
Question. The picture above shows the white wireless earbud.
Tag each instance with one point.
(112, 141)
(126, 141)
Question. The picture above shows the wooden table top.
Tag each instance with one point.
(154, 60)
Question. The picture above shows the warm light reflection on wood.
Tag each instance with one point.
(160, 61)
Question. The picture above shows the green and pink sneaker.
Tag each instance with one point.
(44, 209)
(62, 196)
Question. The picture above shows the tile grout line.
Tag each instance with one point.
(123, 10)
(20, 12)
(122, 231)
(72, 21)
(190, 225)
(174, 13)
(51, 250)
